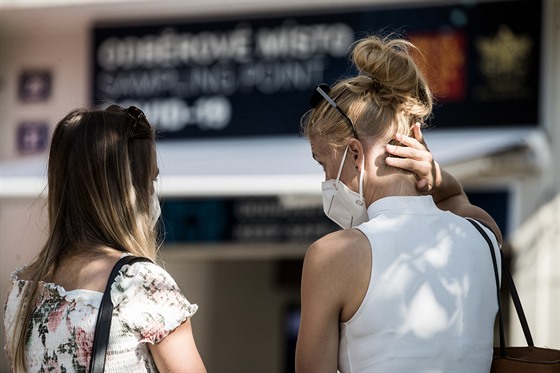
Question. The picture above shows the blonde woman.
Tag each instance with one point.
(408, 285)
(101, 206)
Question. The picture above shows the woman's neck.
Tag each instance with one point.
(391, 185)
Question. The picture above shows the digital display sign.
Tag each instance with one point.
(242, 220)
(252, 76)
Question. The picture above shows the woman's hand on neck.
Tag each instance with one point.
(382, 180)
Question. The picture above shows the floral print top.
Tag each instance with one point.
(148, 305)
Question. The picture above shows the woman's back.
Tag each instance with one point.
(431, 301)
(148, 305)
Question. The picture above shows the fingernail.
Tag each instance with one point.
(398, 136)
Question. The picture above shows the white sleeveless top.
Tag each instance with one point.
(431, 301)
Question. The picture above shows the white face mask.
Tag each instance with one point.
(155, 208)
(343, 206)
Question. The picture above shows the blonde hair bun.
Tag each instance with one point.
(393, 74)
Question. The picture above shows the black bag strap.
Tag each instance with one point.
(512, 291)
(103, 325)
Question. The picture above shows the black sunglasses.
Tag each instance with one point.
(322, 92)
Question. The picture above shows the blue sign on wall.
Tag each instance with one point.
(252, 76)
(32, 137)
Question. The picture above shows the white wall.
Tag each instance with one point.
(536, 240)
(22, 232)
(64, 52)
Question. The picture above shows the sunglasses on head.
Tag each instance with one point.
(322, 92)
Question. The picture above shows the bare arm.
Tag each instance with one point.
(317, 343)
(335, 279)
(446, 190)
(177, 352)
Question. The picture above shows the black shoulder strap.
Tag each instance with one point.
(512, 291)
(103, 325)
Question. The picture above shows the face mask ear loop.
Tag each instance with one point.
(362, 177)
(341, 164)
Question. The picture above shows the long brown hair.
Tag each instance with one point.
(99, 189)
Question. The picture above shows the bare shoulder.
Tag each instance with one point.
(341, 257)
(344, 245)
(86, 272)
(337, 269)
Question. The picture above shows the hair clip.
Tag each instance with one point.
(135, 114)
